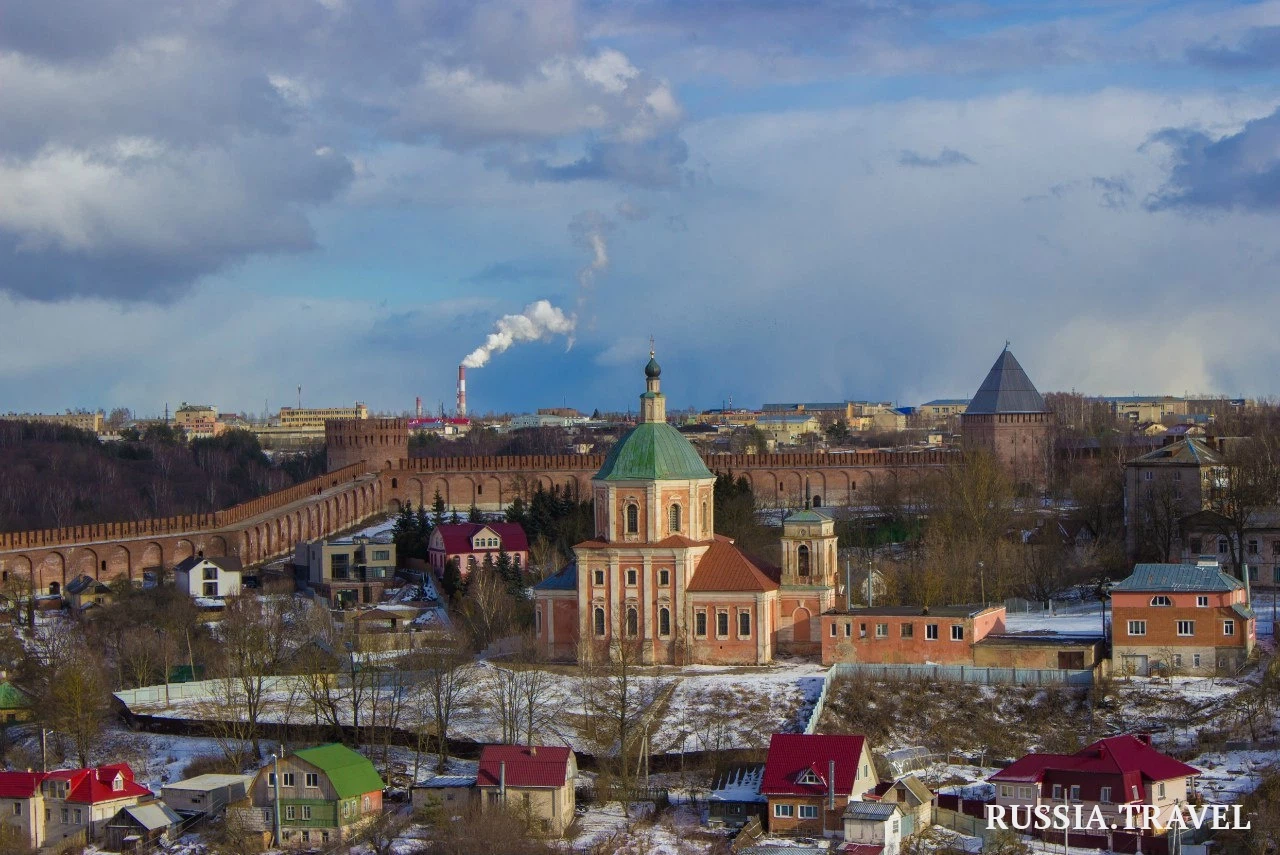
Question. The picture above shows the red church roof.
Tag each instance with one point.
(526, 766)
(457, 536)
(724, 568)
(1116, 755)
(791, 755)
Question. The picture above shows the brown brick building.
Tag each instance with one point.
(1187, 618)
(901, 635)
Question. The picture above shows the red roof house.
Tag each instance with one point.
(538, 779)
(54, 806)
(809, 779)
(1110, 772)
(469, 543)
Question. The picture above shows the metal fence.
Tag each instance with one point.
(963, 674)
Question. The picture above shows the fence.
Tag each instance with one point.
(197, 690)
(964, 674)
(819, 705)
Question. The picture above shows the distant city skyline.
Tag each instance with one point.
(799, 200)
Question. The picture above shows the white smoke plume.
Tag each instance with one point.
(590, 230)
(538, 322)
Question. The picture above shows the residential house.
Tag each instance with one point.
(873, 828)
(73, 805)
(142, 827)
(325, 793)
(453, 794)
(205, 794)
(208, 578)
(735, 796)
(908, 634)
(940, 409)
(1164, 486)
(809, 780)
(914, 798)
(15, 704)
(1146, 408)
(537, 780)
(1208, 533)
(1187, 618)
(348, 570)
(470, 543)
(1119, 770)
(85, 592)
(787, 429)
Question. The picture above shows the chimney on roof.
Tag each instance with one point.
(502, 779)
(1144, 738)
(831, 785)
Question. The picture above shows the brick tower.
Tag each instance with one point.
(809, 580)
(1008, 418)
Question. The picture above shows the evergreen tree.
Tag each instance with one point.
(405, 533)
(454, 518)
(438, 510)
(451, 581)
(473, 514)
(518, 513)
(507, 570)
(487, 566)
(423, 520)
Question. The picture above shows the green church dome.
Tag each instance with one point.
(653, 451)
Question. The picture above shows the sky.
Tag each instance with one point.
(218, 202)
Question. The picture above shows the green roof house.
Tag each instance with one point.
(15, 704)
(325, 793)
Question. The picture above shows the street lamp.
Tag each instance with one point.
(275, 783)
(982, 582)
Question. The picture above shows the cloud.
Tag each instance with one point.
(1114, 192)
(946, 157)
(1257, 50)
(1239, 171)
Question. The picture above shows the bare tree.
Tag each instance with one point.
(255, 640)
(488, 610)
(1249, 483)
(72, 694)
(448, 685)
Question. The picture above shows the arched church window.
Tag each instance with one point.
(633, 621)
(675, 518)
(599, 622)
(664, 621)
(704, 519)
(633, 519)
(802, 560)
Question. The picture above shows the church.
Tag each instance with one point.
(657, 583)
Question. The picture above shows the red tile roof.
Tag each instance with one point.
(84, 786)
(793, 754)
(457, 536)
(526, 766)
(1116, 755)
(724, 568)
(861, 849)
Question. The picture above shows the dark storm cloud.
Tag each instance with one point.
(1258, 50)
(946, 157)
(1240, 171)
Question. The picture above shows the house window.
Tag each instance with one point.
(1026, 792)
(537, 621)
(722, 624)
(848, 629)
(1202, 602)
(1253, 546)
(17, 808)
(117, 783)
(66, 816)
(1075, 792)
(1222, 546)
(908, 630)
(598, 577)
(286, 780)
(744, 624)
(808, 811)
(79, 817)
(1160, 790)
(930, 632)
(1228, 627)
(664, 621)
(784, 810)
(312, 779)
(664, 577)
(211, 573)
(290, 812)
(1146, 475)
(1177, 660)
(306, 811)
(633, 519)
(1006, 791)
(1057, 792)
(957, 632)
(833, 628)
(895, 827)
(862, 630)
(675, 518)
(1195, 660)
(631, 577)
(1186, 627)
(1104, 795)
(599, 622)
(700, 624)
(1196, 545)
(211, 589)
(1137, 627)
(633, 622)
(882, 630)
(1161, 600)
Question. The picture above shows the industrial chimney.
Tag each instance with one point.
(462, 391)
(417, 406)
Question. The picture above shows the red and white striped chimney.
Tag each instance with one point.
(462, 391)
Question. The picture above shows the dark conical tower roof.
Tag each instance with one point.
(1007, 389)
